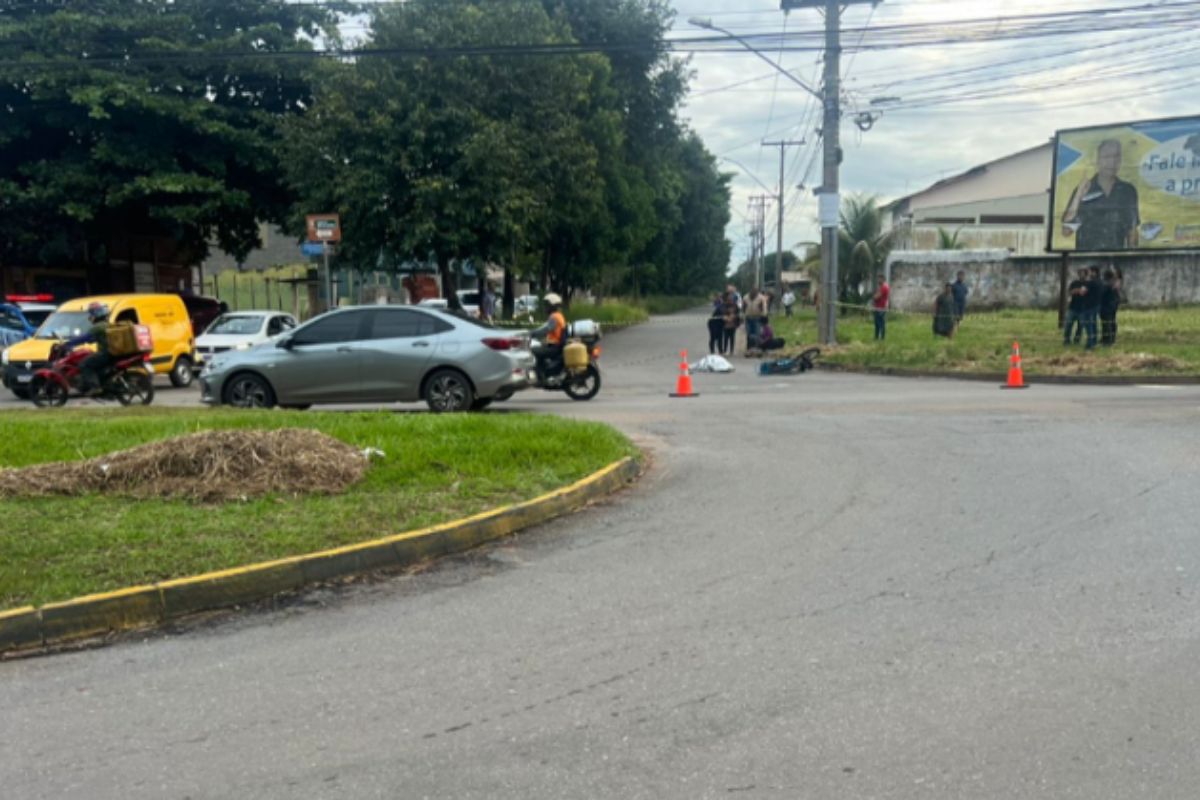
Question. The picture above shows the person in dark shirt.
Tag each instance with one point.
(92, 368)
(1091, 305)
(1103, 211)
(1110, 300)
(943, 312)
(961, 290)
(1076, 291)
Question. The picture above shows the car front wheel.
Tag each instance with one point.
(248, 391)
(448, 390)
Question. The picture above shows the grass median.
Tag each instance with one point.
(1150, 343)
(435, 468)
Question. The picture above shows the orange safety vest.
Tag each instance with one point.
(555, 336)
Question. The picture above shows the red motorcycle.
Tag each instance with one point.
(128, 380)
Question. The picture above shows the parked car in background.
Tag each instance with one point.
(21, 314)
(467, 298)
(164, 314)
(375, 354)
(202, 311)
(525, 305)
(241, 330)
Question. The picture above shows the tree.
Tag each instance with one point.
(131, 118)
(948, 241)
(863, 247)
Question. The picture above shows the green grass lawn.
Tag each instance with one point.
(437, 468)
(1149, 343)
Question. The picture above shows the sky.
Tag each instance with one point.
(1065, 81)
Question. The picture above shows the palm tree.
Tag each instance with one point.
(863, 247)
(948, 241)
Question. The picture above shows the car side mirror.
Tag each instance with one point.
(285, 343)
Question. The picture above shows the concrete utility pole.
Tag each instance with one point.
(779, 228)
(758, 209)
(827, 195)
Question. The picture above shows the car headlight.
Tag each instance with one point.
(4, 357)
(242, 346)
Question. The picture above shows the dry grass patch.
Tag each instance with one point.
(207, 467)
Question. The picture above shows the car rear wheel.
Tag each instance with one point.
(181, 373)
(448, 390)
(248, 391)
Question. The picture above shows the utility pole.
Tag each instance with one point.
(758, 210)
(827, 195)
(782, 145)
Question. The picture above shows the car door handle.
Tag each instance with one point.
(345, 350)
(420, 344)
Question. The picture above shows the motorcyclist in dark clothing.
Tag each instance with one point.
(95, 365)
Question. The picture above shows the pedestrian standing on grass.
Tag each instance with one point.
(943, 312)
(789, 300)
(1110, 300)
(1091, 305)
(879, 302)
(961, 290)
(716, 327)
(1075, 307)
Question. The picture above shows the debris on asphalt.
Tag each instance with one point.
(205, 467)
(712, 363)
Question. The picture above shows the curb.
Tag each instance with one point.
(992, 377)
(30, 627)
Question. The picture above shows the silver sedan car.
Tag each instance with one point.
(375, 354)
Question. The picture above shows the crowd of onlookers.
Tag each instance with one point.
(731, 311)
(1091, 312)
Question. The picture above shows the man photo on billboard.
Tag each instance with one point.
(1103, 211)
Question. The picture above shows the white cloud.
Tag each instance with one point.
(907, 150)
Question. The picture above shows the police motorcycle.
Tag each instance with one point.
(577, 372)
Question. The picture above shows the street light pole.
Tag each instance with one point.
(782, 145)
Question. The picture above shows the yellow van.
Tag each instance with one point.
(174, 343)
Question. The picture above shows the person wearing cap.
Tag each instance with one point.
(552, 334)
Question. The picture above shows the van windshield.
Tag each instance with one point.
(63, 325)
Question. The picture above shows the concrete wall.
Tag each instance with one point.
(1000, 280)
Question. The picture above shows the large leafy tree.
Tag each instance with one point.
(155, 116)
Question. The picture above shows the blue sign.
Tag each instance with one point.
(312, 248)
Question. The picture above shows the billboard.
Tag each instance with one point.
(1134, 186)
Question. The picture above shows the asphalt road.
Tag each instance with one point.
(826, 586)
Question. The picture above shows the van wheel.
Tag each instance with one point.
(181, 373)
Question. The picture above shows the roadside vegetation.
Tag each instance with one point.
(435, 468)
(1151, 342)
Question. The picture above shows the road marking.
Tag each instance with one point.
(1158, 387)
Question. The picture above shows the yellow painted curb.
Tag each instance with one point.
(145, 606)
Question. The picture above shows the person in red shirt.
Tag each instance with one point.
(880, 304)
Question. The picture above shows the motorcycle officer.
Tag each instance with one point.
(94, 366)
(554, 331)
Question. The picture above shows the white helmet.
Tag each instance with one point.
(553, 299)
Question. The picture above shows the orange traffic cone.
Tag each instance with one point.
(683, 385)
(1016, 378)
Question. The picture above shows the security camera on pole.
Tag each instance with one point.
(828, 201)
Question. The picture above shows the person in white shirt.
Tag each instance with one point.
(789, 300)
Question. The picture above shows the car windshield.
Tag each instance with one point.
(63, 325)
(36, 318)
(244, 324)
(465, 317)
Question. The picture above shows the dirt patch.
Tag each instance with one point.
(210, 466)
(1086, 363)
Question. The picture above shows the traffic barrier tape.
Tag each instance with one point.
(31, 627)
